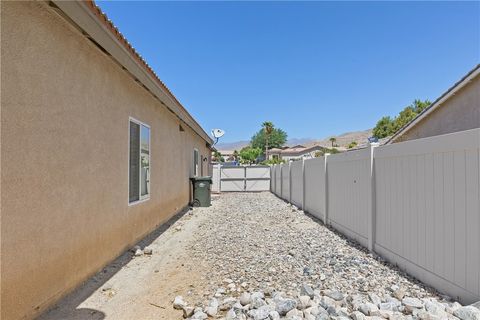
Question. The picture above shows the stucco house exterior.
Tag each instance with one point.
(458, 109)
(96, 152)
(294, 153)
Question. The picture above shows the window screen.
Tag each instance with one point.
(134, 172)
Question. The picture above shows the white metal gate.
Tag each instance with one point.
(241, 178)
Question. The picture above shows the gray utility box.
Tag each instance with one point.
(201, 191)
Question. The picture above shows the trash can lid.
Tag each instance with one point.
(205, 178)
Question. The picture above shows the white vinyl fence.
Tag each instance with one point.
(240, 178)
(349, 198)
(314, 186)
(285, 185)
(278, 181)
(416, 203)
(296, 183)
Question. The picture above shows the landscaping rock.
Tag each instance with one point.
(264, 257)
(212, 308)
(245, 298)
(357, 315)
(476, 305)
(285, 305)
(303, 302)
(335, 295)
(178, 303)
(467, 313)
(227, 304)
(368, 309)
(306, 290)
(199, 315)
(412, 302)
(187, 311)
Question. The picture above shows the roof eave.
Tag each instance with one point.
(84, 16)
(437, 103)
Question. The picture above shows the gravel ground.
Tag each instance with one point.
(266, 252)
(251, 256)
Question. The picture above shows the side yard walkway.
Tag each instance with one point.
(253, 256)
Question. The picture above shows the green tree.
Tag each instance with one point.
(321, 153)
(404, 117)
(384, 128)
(268, 129)
(249, 155)
(419, 105)
(387, 126)
(235, 155)
(333, 140)
(217, 156)
(352, 144)
(276, 139)
(273, 161)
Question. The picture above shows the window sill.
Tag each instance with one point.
(138, 201)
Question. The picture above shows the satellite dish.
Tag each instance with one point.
(217, 133)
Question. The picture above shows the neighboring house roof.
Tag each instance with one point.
(226, 152)
(297, 146)
(475, 72)
(275, 150)
(95, 25)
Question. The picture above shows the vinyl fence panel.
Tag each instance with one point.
(258, 172)
(232, 179)
(348, 195)
(296, 172)
(243, 178)
(315, 187)
(278, 180)
(272, 180)
(427, 210)
(285, 181)
(257, 178)
(216, 178)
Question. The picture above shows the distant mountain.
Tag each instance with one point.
(302, 141)
(342, 140)
(345, 138)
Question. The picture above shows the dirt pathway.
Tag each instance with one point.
(141, 287)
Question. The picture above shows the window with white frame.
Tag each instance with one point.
(195, 162)
(139, 161)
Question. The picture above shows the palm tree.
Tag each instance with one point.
(268, 128)
(333, 140)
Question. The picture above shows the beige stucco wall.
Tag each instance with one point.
(460, 112)
(65, 109)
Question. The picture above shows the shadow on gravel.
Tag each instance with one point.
(67, 307)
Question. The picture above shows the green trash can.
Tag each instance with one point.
(201, 191)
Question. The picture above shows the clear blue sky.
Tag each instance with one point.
(314, 69)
